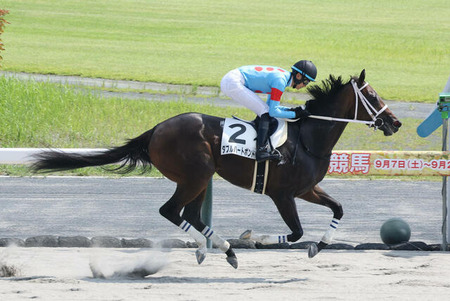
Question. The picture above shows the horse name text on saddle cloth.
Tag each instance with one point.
(239, 137)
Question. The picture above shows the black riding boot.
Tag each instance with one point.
(263, 149)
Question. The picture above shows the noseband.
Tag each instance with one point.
(373, 113)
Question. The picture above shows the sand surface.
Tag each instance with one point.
(65, 274)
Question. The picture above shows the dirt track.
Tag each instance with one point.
(129, 208)
(64, 274)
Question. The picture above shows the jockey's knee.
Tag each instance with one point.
(295, 236)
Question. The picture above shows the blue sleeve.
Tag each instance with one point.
(278, 111)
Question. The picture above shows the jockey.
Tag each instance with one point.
(243, 83)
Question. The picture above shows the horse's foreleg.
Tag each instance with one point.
(320, 197)
(264, 239)
(288, 210)
(267, 239)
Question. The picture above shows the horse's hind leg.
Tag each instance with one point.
(320, 197)
(192, 215)
(191, 197)
(184, 194)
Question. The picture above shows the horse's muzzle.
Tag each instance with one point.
(390, 126)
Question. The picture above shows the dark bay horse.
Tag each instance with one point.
(186, 149)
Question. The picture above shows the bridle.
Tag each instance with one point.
(373, 113)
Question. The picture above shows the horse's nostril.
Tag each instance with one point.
(397, 124)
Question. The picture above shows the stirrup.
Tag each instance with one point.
(263, 155)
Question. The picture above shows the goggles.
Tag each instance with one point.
(305, 81)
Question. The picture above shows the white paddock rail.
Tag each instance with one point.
(24, 155)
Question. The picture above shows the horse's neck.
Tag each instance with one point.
(320, 137)
(323, 135)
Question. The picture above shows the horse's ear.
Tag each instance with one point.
(362, 76)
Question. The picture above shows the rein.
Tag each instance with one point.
(373, 113)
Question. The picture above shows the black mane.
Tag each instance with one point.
(325, 92)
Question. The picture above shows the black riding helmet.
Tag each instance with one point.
(305, 68)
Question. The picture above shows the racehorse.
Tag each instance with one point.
(186, 149)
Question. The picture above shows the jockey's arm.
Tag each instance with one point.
(275, 109)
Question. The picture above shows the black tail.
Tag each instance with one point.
(128, 155)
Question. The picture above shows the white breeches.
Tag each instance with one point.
(232, 85)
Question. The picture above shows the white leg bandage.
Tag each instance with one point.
(197, 236)
(221, 243)
(269, 239)
(328, 237)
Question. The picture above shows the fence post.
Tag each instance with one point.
(445, 192)
(444, 99)
(207, 210)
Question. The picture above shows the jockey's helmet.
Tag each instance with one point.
(306, 68)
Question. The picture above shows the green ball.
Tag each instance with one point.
(395, 231)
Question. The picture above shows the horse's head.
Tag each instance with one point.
(354, 101)
(372, 108)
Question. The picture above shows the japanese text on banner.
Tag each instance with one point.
(389, 163)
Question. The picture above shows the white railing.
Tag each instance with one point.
(24, 155)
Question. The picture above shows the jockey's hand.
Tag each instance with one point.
(300, 112)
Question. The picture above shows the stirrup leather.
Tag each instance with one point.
(263, 154)
(264, 149)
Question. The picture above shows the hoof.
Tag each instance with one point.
(313, 250)
(246, 235)
(201, 255)
(232, 260)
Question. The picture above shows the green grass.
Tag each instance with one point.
(50, 115)
(404, 45)
(39, 114)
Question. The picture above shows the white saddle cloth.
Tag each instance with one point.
(239, 137)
